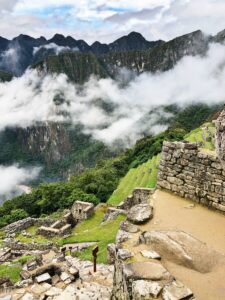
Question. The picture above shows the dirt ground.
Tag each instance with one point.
(173, 213)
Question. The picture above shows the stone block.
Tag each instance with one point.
(43, 278)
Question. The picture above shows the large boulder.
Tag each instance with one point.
(147, 271)
(140, 213)
(183, 249)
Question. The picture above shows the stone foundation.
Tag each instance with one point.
(190, 173)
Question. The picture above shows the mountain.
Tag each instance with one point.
(62, 148)
(132, 41)
(79, 66)
(220, 37)
(18, 54)
(5, 76)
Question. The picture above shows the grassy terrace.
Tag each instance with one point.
(143, 176)
(202, 135)
(92, 230)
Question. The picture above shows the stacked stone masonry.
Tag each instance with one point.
(193, 174)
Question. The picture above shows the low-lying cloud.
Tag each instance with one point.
(10, 59)
(55, 48)
(11, 177)
(29, 99)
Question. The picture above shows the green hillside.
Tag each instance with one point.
(143, 176)
(5, 76)
(204, 135)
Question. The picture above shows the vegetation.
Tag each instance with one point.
(203, 135)
(92, 230)
(143, 176)
(98, 184)
(12, 270)
(5, 76)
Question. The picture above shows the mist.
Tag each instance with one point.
(57, 49)
(34, 98)
(11, 177)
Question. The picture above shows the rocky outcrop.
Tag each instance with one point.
(191, 173)
(140, 213)
(182, 249)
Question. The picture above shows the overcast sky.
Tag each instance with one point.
(107, 20)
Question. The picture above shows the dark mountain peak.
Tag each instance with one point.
(135, 35)
(220, 37)
(2, 39)
(99, 48)
(24, 37)
(132, 41)
(3, 44)
(58, 36)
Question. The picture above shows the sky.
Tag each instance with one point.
(106, 21)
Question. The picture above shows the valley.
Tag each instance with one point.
(115, 152)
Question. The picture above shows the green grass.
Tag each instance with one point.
(34, 237)
(11, 271)
(143, 176)
(92, 230)
(202, 135)
(23, 259)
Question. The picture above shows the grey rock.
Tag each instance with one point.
(122, 236)
(129, 227)
(140, 213)
(124, 254)
(147, 271)
(150, 254)
(43, 278)
(111, 252)
(176, 291)
(145, 290)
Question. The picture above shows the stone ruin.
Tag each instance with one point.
(79, 211)
(82, 210)
(191, 173)
(138, 196)
(60, 227)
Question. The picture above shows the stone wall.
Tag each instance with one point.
(139, 195)
(14, 245)
(193, 174)
(25, 223)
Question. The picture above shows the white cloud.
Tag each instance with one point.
(52, 46)
(10, 59)
(105, 21)
(13, 176)
(29, 99)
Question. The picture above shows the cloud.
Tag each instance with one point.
(105, 21)
(10, 59)
(13, 176)
(136, 108)
(7, 5)
(57, 49)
